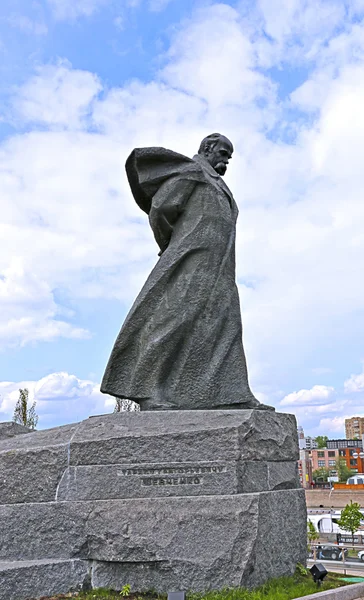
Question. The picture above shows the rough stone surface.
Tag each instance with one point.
(102, 482)
(263, 476)
(137, 437)
(99, 482)
(181, 346)
(162, 499)
(212, 553)
(250, 451)
(32, 579)
(9, 429)
(194, 535)
(281, 540)
(32, 465)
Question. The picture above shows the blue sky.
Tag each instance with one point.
(81, 85)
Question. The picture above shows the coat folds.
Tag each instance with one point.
(181, 346)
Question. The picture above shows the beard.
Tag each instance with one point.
(220, 168)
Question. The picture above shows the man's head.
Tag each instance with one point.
(217, 150)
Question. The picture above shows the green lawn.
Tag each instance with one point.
(284, 588)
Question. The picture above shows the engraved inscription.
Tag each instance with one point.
(168, 475)
(172, 481)
(175, 470)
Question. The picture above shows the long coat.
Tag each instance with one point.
(181, 346)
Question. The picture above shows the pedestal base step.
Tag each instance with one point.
(25, 580)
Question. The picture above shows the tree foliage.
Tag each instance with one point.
(350, 518)
(24, 414)
(321, 441)
(321, 474)
(342, 469)
(121, 405)
(312, 534)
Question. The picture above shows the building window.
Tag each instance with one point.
(342, 452)
(332, 463)
(331, 453)
(353, 462)
(321, 454)
(321, 463)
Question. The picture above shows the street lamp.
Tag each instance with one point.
(360, 455)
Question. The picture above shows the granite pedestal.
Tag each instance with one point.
(188, 500)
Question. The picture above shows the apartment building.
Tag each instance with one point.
(324, 457)
(305, 469)
(354, 428)
(347, 449)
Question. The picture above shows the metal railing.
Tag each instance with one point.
(318, 552)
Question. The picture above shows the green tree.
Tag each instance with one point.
(320, 475)
(312, 534)
(121, 405)
(321, 441)
(350, 518)
(343, 471)
(24, 414)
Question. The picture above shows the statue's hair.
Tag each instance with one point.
(209, 142)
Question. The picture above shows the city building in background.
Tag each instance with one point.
(324, 457)
(354, 428)
(313, 458)
(305, 469)
(305, 443)
(350, 450)
(345, 444)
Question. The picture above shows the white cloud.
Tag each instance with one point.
(57, 96)
(59, 397)
(299, 28)
(334, 425)
(72, 9)
(300, 230)
(355, 383)
(194, 61)
(28, 310)
(27, 25)
(318, 395)
(158, 5)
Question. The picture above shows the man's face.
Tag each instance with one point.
(220, 155)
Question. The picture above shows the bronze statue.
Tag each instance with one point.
(181, 346)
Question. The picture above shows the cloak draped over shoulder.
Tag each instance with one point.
(181, 346)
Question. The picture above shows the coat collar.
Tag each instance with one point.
(212, 173)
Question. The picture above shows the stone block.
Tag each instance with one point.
(192, 499)
(203, 541)
(42, 530)
(32, 465)
(99, 482)
(261, 476)
(9, 429)
(203, 435)
(32, 579)
(281, 540)
(245, 546)
(150, 455)
(103, 482)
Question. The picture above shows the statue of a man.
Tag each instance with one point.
(181, 346)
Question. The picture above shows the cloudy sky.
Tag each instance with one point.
(82, 84)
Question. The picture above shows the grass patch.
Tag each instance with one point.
(284, 588)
